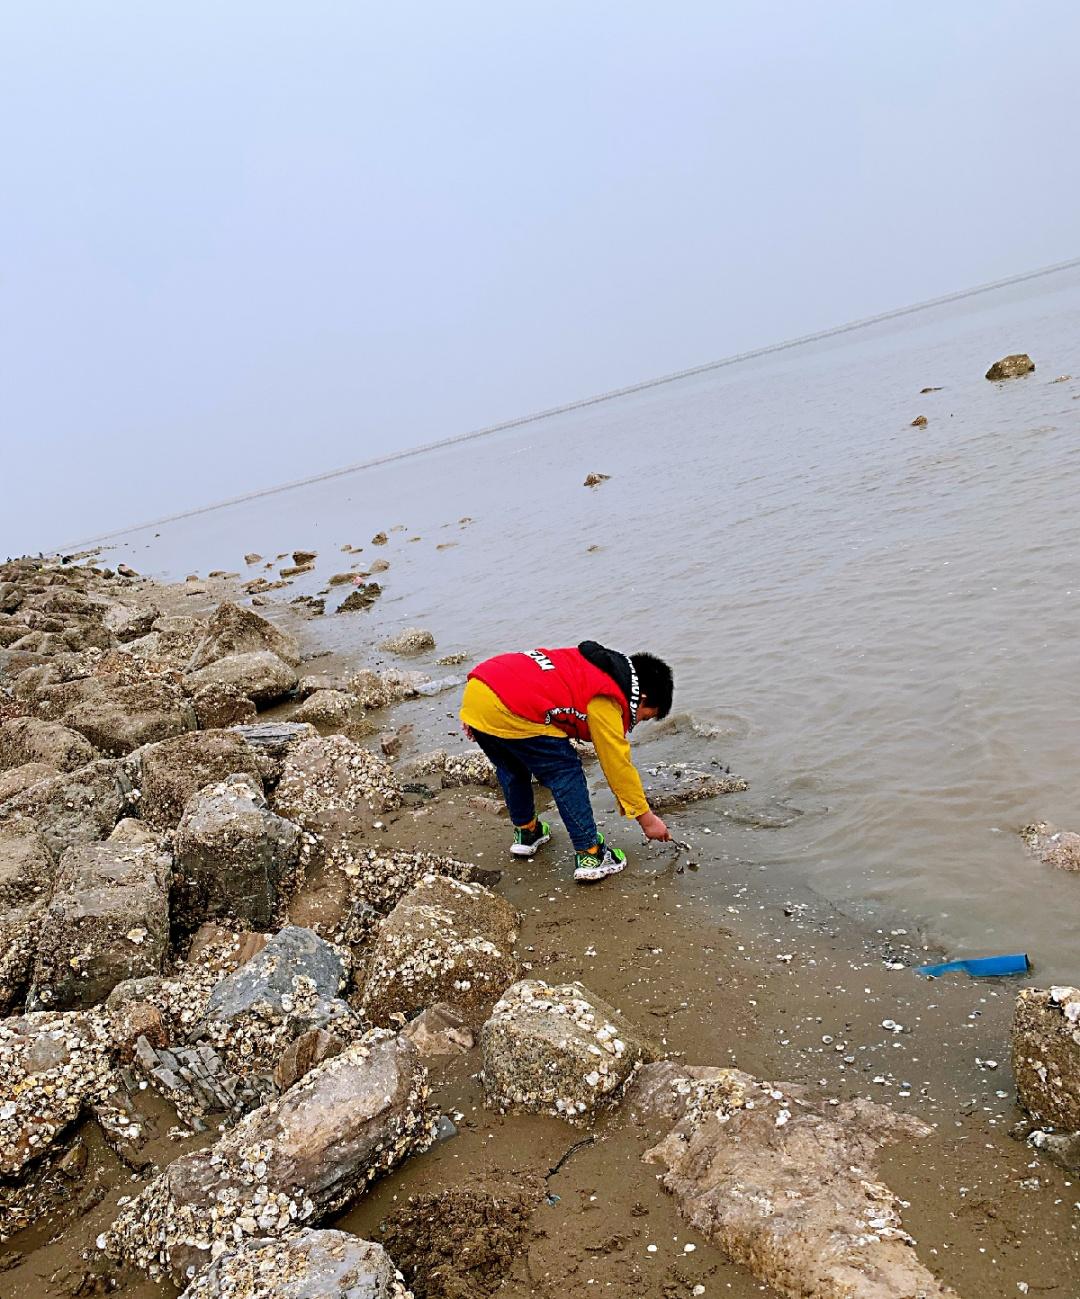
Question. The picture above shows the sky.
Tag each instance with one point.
(244, 243)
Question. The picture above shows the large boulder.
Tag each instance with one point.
(312, 1265)
(234, 857)
(789, 1192)
(1046, 1054)
(29, 739)
(288, 1164)
(558, 1050)
(127, 622)
(330, 783)
(175, 769)
(108, 920)
(444, 941)
(261, 675)
(75, 807)
(234, 630)
(118, 717)
(54, 1064)
(26, 865)
(219, 705)
(20, 935)
(1011, 367)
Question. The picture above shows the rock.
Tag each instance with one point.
(1053, 847)
(107, 920)
(439, 1030)
(75, 807)
(380, 689)
(312, 1265)
(54, 1064)
(20, 936)
(304, 556)
(301, 1056)
(233, 630)
(342, 579)
(219, 705)
(920, 421)
(452, 660)
(1011, 367)
(27, 739)
(445, 941)
(326, 708)
(390, 742)
(118, 718)
(261, 675)
(315, 681)
(408, 642)
(252, 557)
(381, 878)
(790, 1193)
(291, 1162)
(672, 785)
(380, 566)
(197, 1082)
(26, 865)
(363, 597)
(594, 480)
(451, 770)
(16, 779)
(1046, 1054)
(234, 857)
(379, 539)
(926, 390)
(1061, 1148)
(558, 1050)
(127, 622)
(667, 1092)
(310, 606)
(175, 769)
(330, 782)
(133, 1020)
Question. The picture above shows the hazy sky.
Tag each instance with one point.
(245, 242)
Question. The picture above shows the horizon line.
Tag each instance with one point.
(579, 403)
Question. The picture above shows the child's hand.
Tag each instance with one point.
(652, 826)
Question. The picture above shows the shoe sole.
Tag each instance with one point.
(529, 849)
(596, 873)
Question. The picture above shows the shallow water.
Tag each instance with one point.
(881, 618)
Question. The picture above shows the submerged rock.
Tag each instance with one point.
(1053, 847)
(1046, 1054)
(176, 769)
(20, 936)
(558, 1050)
(107, 921)
(363, 597)
(234, 857)
(445, 941)
(287, 1164)
(594, 480)
(1011, 367)
(672, 785)
(234, 630)
(312, 1265)
(788, 1192)
(408, 642)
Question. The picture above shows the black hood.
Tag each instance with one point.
(619, 668)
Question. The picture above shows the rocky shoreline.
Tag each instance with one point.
(239, 972)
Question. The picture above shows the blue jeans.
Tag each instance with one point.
(555, 764)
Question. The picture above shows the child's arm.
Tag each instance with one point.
(613, 751)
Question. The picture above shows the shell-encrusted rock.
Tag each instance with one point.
(451, 770)
(1046, 1054)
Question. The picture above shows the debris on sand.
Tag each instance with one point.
(594, 480)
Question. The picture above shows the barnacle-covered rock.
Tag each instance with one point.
(29, 739)
(558, 1050)
(75, 807)
(673, 784)
(234, 630)
(107, 920)
(380, 689)
(20, 934)
(313, 1265)
(234, 857)
(51, 1065)
(382, 877)
(1011, 367)
(789, 1192)
(26, 865)
(409, 642)
(450, 770)
(219, 705)
(175, 769)
(1046, 1054)
(445, 941)
(1053, 847)
(261, 675)
(286, 1165)
(327, 708)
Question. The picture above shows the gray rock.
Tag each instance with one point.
(313, 1265)
(171, 772)
(558, 1050)
(75, 807)
(119, 717)
(28, 739)
(234, 857)
(790, 1193)
(291, 1162)
(1046, 1054)
(197, 1082)
(1011, 367)
(108, 920)
(234, 630)
(26, 865)
(262, 675)
(445, 941)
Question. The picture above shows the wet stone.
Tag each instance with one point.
(1046, 1054)
(409, 642)
(672, 785)
(439, 1030)
(1053, 847)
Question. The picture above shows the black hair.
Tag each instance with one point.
(656, 681)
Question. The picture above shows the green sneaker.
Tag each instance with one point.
(593, 866)
(528, 842)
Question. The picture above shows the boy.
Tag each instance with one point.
(522, 709)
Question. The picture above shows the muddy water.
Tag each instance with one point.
(881, 618)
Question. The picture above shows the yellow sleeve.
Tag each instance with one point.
(483, 710)
(606, 729)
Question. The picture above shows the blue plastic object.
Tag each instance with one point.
(981, 966)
